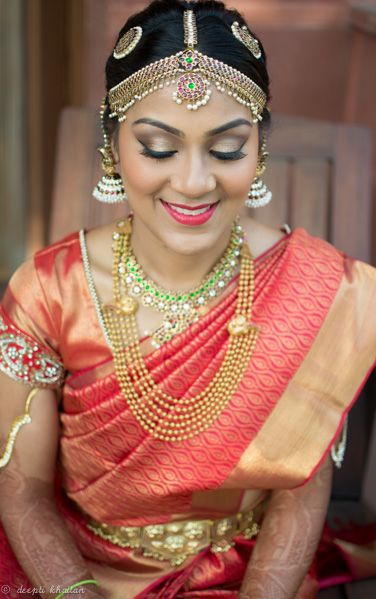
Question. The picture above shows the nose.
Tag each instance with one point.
(192, 179)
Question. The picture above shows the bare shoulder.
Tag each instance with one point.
(260, 237)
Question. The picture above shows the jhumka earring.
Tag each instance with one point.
(110, 188)
(259, 195)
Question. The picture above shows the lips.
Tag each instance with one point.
(190, 215)
(190, 208)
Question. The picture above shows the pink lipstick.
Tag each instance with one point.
(188, 215)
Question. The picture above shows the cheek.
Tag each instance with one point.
(237, 177)
(140, 174)
(237, 180)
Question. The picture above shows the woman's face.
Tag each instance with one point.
(187, 173)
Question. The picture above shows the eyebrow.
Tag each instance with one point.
(211, 133)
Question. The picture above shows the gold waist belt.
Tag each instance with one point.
(175, 541)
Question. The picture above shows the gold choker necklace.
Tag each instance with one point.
(160, 414)
(180, 309)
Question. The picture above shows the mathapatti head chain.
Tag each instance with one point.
(189, 72)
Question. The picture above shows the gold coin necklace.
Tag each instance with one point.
(163, 416)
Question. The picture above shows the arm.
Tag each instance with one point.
(35, 530)
(288, 539)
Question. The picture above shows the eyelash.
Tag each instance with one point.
(156, 155)
(237, 155)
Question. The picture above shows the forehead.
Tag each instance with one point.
(160, 106)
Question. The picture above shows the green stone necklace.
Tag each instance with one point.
(180, 309)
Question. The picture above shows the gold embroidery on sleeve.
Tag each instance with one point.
(26, 361)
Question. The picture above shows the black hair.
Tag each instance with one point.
(163, 34)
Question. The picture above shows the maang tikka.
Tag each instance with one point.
(259, 195)
(110, 188)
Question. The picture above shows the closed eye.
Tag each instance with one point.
(237, 155)
(146, 151)
(234, 155)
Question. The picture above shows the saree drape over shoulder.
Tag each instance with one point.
(314, 308)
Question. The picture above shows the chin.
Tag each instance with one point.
(186, 244)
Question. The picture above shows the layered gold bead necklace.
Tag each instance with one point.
(163, 416)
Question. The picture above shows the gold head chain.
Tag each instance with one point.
(190, 72)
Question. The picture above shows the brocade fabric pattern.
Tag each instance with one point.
(293, 295)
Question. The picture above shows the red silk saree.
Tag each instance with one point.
(316, 347)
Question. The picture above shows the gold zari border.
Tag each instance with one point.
(310, 413)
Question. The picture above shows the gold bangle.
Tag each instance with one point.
(17, 424)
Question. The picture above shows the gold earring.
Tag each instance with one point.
(110, 189)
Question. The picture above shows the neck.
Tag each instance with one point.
(172, 270)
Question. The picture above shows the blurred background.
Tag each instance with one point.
(322, 61)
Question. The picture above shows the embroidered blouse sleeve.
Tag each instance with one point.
(28, 332)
